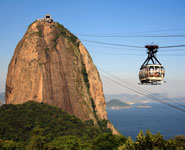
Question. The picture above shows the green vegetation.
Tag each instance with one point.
(85, 76)
(68, 143)
(38, 126)
(116, 103)
(94, 106)
(18, 121)
(55, 40)
(46, 49)
(101, 124)
(108, 141)
(39, 27)
(152, 142)
(62, 31)
(67, 34)
(179, 140)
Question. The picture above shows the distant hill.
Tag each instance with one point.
(115, 103)
(2, 97)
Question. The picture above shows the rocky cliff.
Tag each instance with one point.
(51, 65)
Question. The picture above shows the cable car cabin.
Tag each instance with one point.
(151, 74)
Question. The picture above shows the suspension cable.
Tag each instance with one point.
(106, 43)
(151, 31)
(141, 93)
(123, 45)
(141, 89)
(133, 36)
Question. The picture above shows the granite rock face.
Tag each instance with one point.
(51, 65)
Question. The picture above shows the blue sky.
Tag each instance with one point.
(105, 17)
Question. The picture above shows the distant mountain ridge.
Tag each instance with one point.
(136, 98)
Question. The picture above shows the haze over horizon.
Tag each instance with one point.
(110, 18)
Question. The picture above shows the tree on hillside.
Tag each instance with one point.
(108, 141)
(37, 139)
(129, 145)
(150, 141)
(68, 143)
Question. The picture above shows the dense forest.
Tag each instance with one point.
(39, 126)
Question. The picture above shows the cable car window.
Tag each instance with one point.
(162, 69)
(157, 69)
(151, 71)
(151, 68)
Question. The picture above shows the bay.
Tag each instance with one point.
(157, 117)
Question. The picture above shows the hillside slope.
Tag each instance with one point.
(18, 121)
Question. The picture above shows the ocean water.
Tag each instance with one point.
(159, 118)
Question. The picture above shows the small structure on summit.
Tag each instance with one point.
(47, 18)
